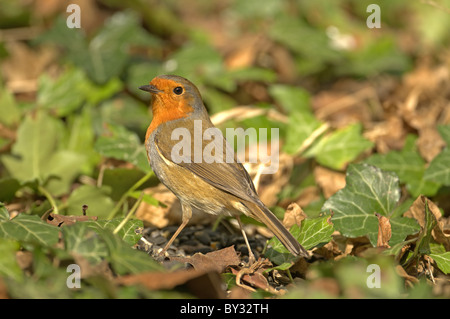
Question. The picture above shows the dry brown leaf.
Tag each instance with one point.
(328, 251)
(253, 276)
(243, 54)
(215, 260)
(203, 284)
(24, 65)
(347, 102)
(294, 215)
(328, 180)
(65, 220)
(308, 195)
(101, 269)
(300, 267)
(327, 286)
(3, 290)
(384, 231)
(429, 143)
(417, 211)
(24, 260)
(402, 273)
(388, 134)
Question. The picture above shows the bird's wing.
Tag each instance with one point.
(229, 175)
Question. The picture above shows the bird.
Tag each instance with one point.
(219, 187)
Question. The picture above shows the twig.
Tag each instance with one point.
(50, 198)
(314, 135)
(130, 213)
(125, 196)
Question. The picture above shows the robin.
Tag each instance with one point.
(212, 186)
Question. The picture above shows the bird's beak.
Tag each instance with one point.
(150, 88)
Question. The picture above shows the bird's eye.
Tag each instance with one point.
(178, 90)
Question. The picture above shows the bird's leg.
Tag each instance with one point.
(251, 257)
(187, 214)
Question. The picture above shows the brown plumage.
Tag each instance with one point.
(210, 185)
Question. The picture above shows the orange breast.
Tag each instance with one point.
(165, 110)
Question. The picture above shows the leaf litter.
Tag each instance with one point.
(404, 119)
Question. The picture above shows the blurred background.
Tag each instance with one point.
(72, 119)
(299, 66)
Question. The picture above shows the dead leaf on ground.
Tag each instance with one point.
(347, 102)
(24, 65)
(430, 143)
(417, 211)
(216, 260)
(252, 276)
(65, 220)
(101, 269)
(329, 181)
(329, 251)
(384, 231)
(387, 135)
(327, 286)
(203, 284)
(294, 215)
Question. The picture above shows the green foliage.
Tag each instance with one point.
(79, 139)
(368, 190)
(119, 143)
(340, 147)
(409, 166)
(312, 233)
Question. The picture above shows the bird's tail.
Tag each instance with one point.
(265, 216)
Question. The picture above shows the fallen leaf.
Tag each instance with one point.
(330, 181)
(216, 260)
(204, 284)
(402, 273)
(417, 211)
(430, 143)
(384, 231)
(294, 215)
(253, 276)
(24, 65)
(63, 220)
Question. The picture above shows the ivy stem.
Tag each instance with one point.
(50, 198)
(130, 213)
(127, 193)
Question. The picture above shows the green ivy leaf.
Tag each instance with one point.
(302, 121)
(368, 190)
(443, 261)
(37, 154)
(340, 147)
(439, 169)
(127, 232)
(444, 130)
(125, 259)
(8, 263)
(123, 145)
(63, 95)
(312, 233)
(10, 113)
(8, 188)
(97, 198)
(30, 229)
(409, 166)
(81, 240)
